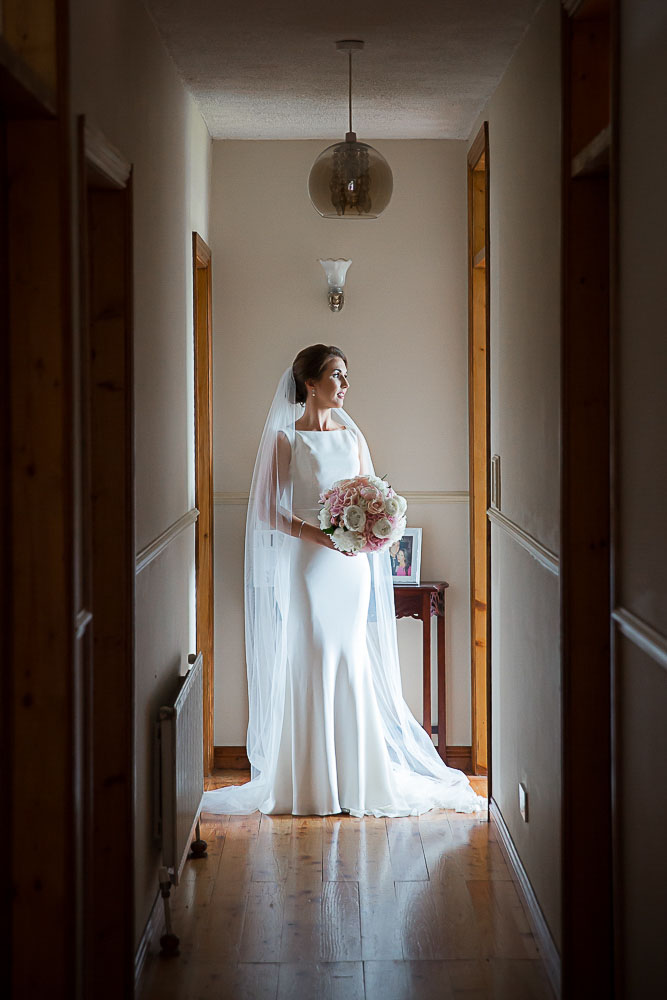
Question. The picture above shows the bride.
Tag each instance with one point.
(329, 730)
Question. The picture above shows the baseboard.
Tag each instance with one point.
(460, 758)
(539, 926)
(150, 940)
(236, 758)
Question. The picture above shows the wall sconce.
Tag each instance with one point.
(335, 271)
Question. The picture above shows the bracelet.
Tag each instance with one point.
(300, 529)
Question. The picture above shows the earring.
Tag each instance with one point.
(313, 392)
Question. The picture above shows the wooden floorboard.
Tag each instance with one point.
(341, 908)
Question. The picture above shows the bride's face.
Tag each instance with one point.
(332, 385)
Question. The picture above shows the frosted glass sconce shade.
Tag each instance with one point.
(335, 271)
(350, 180)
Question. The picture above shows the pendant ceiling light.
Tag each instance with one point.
(350, 180)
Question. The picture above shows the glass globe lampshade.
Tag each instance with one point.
(350, 180)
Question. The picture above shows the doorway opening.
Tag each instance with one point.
(479, 447)
(201, 296)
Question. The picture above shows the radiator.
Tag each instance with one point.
(179, 770)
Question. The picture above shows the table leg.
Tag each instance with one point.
(426, 657)
(442, 691)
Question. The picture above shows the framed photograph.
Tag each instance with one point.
(406, 557)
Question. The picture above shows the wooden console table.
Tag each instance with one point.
(423, 602)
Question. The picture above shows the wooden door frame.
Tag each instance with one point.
(6, 624)
(41, 837)
(585, 535)
(203, 405)
(108, 561)
(476, 260)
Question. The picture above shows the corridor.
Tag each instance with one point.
(165, 254)
(333, 907)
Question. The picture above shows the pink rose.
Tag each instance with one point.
(374, 544)
(376, 506)
(336, 506)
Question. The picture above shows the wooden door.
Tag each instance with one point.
(107, 566)
(201, 281)
(478, 426)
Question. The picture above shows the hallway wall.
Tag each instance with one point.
(404, 330)
(524, 157)
(126, 85)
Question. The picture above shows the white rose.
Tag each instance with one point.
(324, 518)
(379, 483)
(347, 541)
(382, 528)
(391, 507)
(354, 517)
(402, 504)
(399, 529)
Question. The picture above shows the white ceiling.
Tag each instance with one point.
(269, 69)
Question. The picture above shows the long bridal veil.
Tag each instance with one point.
(423, 780)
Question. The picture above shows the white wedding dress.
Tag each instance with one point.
(333, 756)
(328, 728)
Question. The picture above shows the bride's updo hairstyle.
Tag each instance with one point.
(309, 364)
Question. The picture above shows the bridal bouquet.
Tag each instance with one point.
(362, 514)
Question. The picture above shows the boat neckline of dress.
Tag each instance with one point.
(325, 431)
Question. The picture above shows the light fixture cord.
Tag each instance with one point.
(350, 85)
